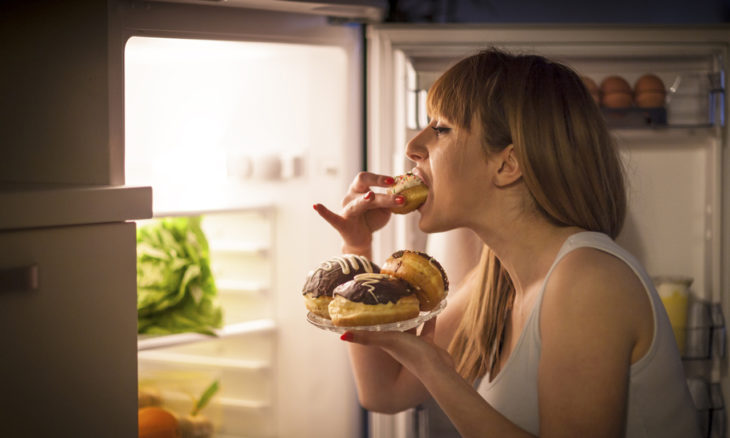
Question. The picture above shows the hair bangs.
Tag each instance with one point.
(451, 97)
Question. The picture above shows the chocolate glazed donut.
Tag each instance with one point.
(370, 299)
(422, 272)
(322, 281)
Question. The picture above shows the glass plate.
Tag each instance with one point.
(400, 326)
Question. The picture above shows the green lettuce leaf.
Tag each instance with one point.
(176, 291)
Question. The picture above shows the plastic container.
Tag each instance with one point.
(700, 391)
(674, 292)
(718, 428)
(718, 331)
(699, 330)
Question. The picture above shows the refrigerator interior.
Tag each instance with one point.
(674, 169)
(248, 135)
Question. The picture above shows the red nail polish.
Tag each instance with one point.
(369, 195)
(389, 181)
(400, 199)
(347, 336)
(314, 207)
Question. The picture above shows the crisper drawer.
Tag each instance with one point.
(68, 348)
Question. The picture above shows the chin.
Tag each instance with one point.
(429, 224)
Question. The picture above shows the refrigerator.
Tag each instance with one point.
(245, 113)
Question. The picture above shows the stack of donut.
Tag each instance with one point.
(357, 293)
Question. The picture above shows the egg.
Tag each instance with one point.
(616, 92)
(649, 91)
(615, 84)
(592, 87)
(650, 99)
(649, 82)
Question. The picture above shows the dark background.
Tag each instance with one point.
(560, 11)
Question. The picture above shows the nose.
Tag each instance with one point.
(416, 148)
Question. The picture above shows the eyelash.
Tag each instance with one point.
(438, 130)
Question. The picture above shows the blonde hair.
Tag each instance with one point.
(569, 164)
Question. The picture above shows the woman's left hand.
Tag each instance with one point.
(411, 350)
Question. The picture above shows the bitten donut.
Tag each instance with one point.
(412, 188)
(370, 299)
(322, 281)
(422, 272)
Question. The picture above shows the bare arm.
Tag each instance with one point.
(383, 383)
(595, 321)
(428, 369)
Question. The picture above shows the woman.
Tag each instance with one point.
(558, 332)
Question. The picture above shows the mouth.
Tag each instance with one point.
(417, 173)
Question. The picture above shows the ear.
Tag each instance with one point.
(508, 170)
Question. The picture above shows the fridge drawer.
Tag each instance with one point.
(69, 345)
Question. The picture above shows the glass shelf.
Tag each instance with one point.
(147, 342)
(157, 355)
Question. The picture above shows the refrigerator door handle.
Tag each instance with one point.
(19, 279)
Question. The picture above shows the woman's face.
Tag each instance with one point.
(453, 164)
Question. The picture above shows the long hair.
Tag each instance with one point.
(569, 164)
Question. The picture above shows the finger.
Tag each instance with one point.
(337, 221)
(429, 329)
(364, 180)
(354, 337)
(360, 205)
(371, 201)
(364, 337)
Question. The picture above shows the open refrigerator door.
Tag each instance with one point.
(239, 125)
(674, 151)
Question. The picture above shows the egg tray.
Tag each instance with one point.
(635, 117)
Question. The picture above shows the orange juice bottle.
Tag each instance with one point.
(674, 292)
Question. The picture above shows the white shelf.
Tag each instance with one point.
(237, 403)
(145, 342)
(259, 249)
(206, 361)
(203, 208)
(238, 286)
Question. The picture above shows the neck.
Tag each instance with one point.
(526, 246)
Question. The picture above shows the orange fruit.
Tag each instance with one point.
(156, 422)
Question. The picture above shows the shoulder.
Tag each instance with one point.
(593, 273)
(593, 288)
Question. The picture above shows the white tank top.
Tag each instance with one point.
(659, 402)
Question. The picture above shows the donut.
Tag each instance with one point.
(422, 272)
(412, 188)
(370, 299)
(321, 282)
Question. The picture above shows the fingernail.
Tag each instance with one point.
(400, 199)
(369, 195)
(347, 336)
(389, 180)
(314, 206)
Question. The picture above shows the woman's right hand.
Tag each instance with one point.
(363, 211)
